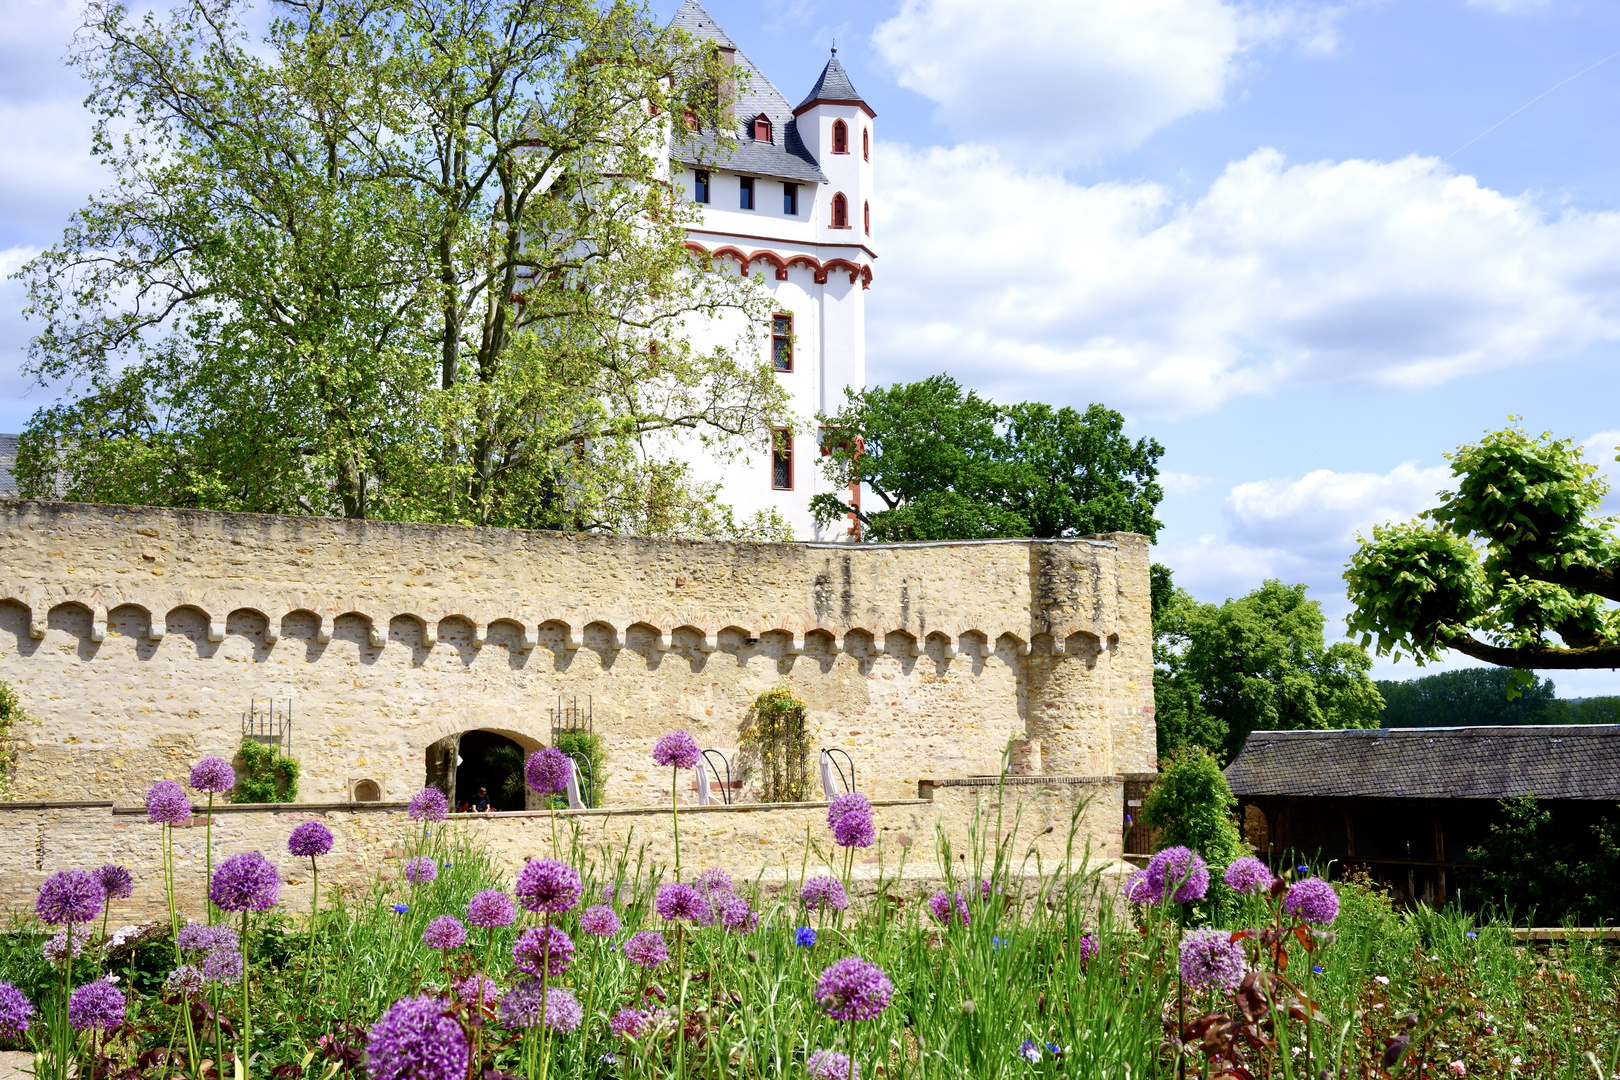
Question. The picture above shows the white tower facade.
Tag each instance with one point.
(793, 202)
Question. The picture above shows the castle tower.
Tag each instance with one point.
(793, 203)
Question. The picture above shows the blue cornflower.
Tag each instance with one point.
(1470, 934)
(401, 909)
(1317, 968)
(1054, 1049)
(1127, 819)
(1030, 1051)
(1302, 868)
(610, 1059)
(804, 937)
(995, 943)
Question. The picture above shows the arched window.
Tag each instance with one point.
(762, 128)
(840, 215)
(840, 137)
(866, 143)
(866, 212)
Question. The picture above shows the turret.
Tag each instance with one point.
(835, 123)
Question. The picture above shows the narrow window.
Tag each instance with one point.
(700, 186)
(782, 459)
(745, 192)
(782, 342)
(840, 137)
(790, 200)
(762, 128)
(866, 143)
(840, 211)
(866, 212)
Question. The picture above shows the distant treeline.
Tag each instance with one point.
(1473, 696)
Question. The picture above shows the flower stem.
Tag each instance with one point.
(675, 808)
(247, 1017)
(208, 856)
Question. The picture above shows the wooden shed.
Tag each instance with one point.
(1407, 804)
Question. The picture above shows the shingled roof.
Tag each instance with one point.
(1550, 762)
(834, 88)
(785, 156)
(8, 461)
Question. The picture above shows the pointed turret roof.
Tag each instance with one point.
(833, 88)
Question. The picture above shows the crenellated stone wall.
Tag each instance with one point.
(139, 635)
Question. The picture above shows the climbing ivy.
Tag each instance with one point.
(11, 714)
(775, 740)
(264, 775)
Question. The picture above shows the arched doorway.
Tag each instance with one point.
(492, 761)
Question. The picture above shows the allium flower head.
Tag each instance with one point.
(309, 840)
(196, 937)
(222, 966)
(647, 948)
(212, 776)
(478, 990)
(677, 900)
(1087, 947)
(1248, 875)
(70, 896)
(940, 905)
(831, 1065)
(416, 1040)
(55, 951)
(677, 749)
(1180, 873)
(548, 885)
(844, 803)
(184, 981)
(531, 950)
(855, 830)
(854, 989)
(630, 1023)
(733, 912)
(1139, 890)
(824, 892)
(714, 879)
(599, 921)
(491, 908)
(547, 771)
(245, 882)
(429, 804)
(96, 1006)
(116, 881)
(562, 1009)
(421, 870)
(445, 932)
(166, 804)
(16, 1012)
(1210, 959)
(1312, 900)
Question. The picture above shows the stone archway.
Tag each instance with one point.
(492, 760)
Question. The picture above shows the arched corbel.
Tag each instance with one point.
(377, 635)
(480, 634)
(323, 633)
(664, 641)
(157, 626)
(430, 633)
(216, 627)
(530, 638)
(710, 643)
(98, 623)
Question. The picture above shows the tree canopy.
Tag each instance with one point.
(1256, 663)
(414, 259)
(951, 465)
(1516, 567)
(1463, 698)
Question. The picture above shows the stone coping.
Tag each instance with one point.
(395, 807)
(66, 804)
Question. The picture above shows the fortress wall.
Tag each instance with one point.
(139, 635)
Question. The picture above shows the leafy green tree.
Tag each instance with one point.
(1462, 698)
(412, 259)
(1515, 567)
(1256, 663)
(950, 465)
(264, 774)
(1192, 804)
(1592, 710)
(1541, 861)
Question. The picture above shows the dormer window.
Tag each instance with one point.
(840, 211)
(840, 137)
(762, 128)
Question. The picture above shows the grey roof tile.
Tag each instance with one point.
(1550, 762)
(834, 85)
(8, 461)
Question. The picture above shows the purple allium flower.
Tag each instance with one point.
(115, 881)
(245, 882)
(1248, 875)
(184, 981)
(16, 1012)
(804, 937)
(844, 803)
(599, 921)
(310, 839)
(831, 1065)
(195, 937)
(529, 1004)
(96, 1006)
(714, 879)
(1312, 900)
(421, 870)
(70, 896)
(1210, 958)
(1181, 869)
(647, 948)
(222, 966)
(733, 912)
(1139, 889)
(940, 905)
(630, 1023)
(166, 804)
(824, 892)
(1087, 948)
(854, 829)
(491, 908)
(678, 749)
(677, 900)
(212, 776)
(563, 1010)
(429, 804)
(478, 989)
(55, 951)
(854, 989)
(547, 771)
(530, 950)
(445, 932)
(607, 894)
(416, 1040)
(548, 885)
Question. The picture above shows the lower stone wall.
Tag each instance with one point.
(749, 841)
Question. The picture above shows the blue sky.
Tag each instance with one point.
(1269, 233)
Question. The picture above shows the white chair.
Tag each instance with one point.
(575, 802)
(704, 799)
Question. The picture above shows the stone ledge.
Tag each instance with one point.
(396, 807)
(65, 804)
(926, 788)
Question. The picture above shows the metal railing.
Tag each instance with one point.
(723, 785)
(831, 755)
(271, 725)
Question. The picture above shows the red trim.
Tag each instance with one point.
(856, 271)
(774, 239)
(785, 453)
(861, 105)
(786, 339)
(840, 128)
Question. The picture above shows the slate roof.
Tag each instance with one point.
(833, 86)
(1576, 761)
(8, 458)
(785, 156)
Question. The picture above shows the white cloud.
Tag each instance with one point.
(1509, 7)
(1180, 483)
(1318, 514)
(1081, 78)
(1394, 274)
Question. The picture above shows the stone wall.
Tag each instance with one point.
(372, 839)
(138, 636)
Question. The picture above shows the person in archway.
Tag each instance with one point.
(481, 803)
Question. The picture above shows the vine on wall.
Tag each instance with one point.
(774, 739)
(11, 714)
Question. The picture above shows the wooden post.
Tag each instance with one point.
(1439, 858)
